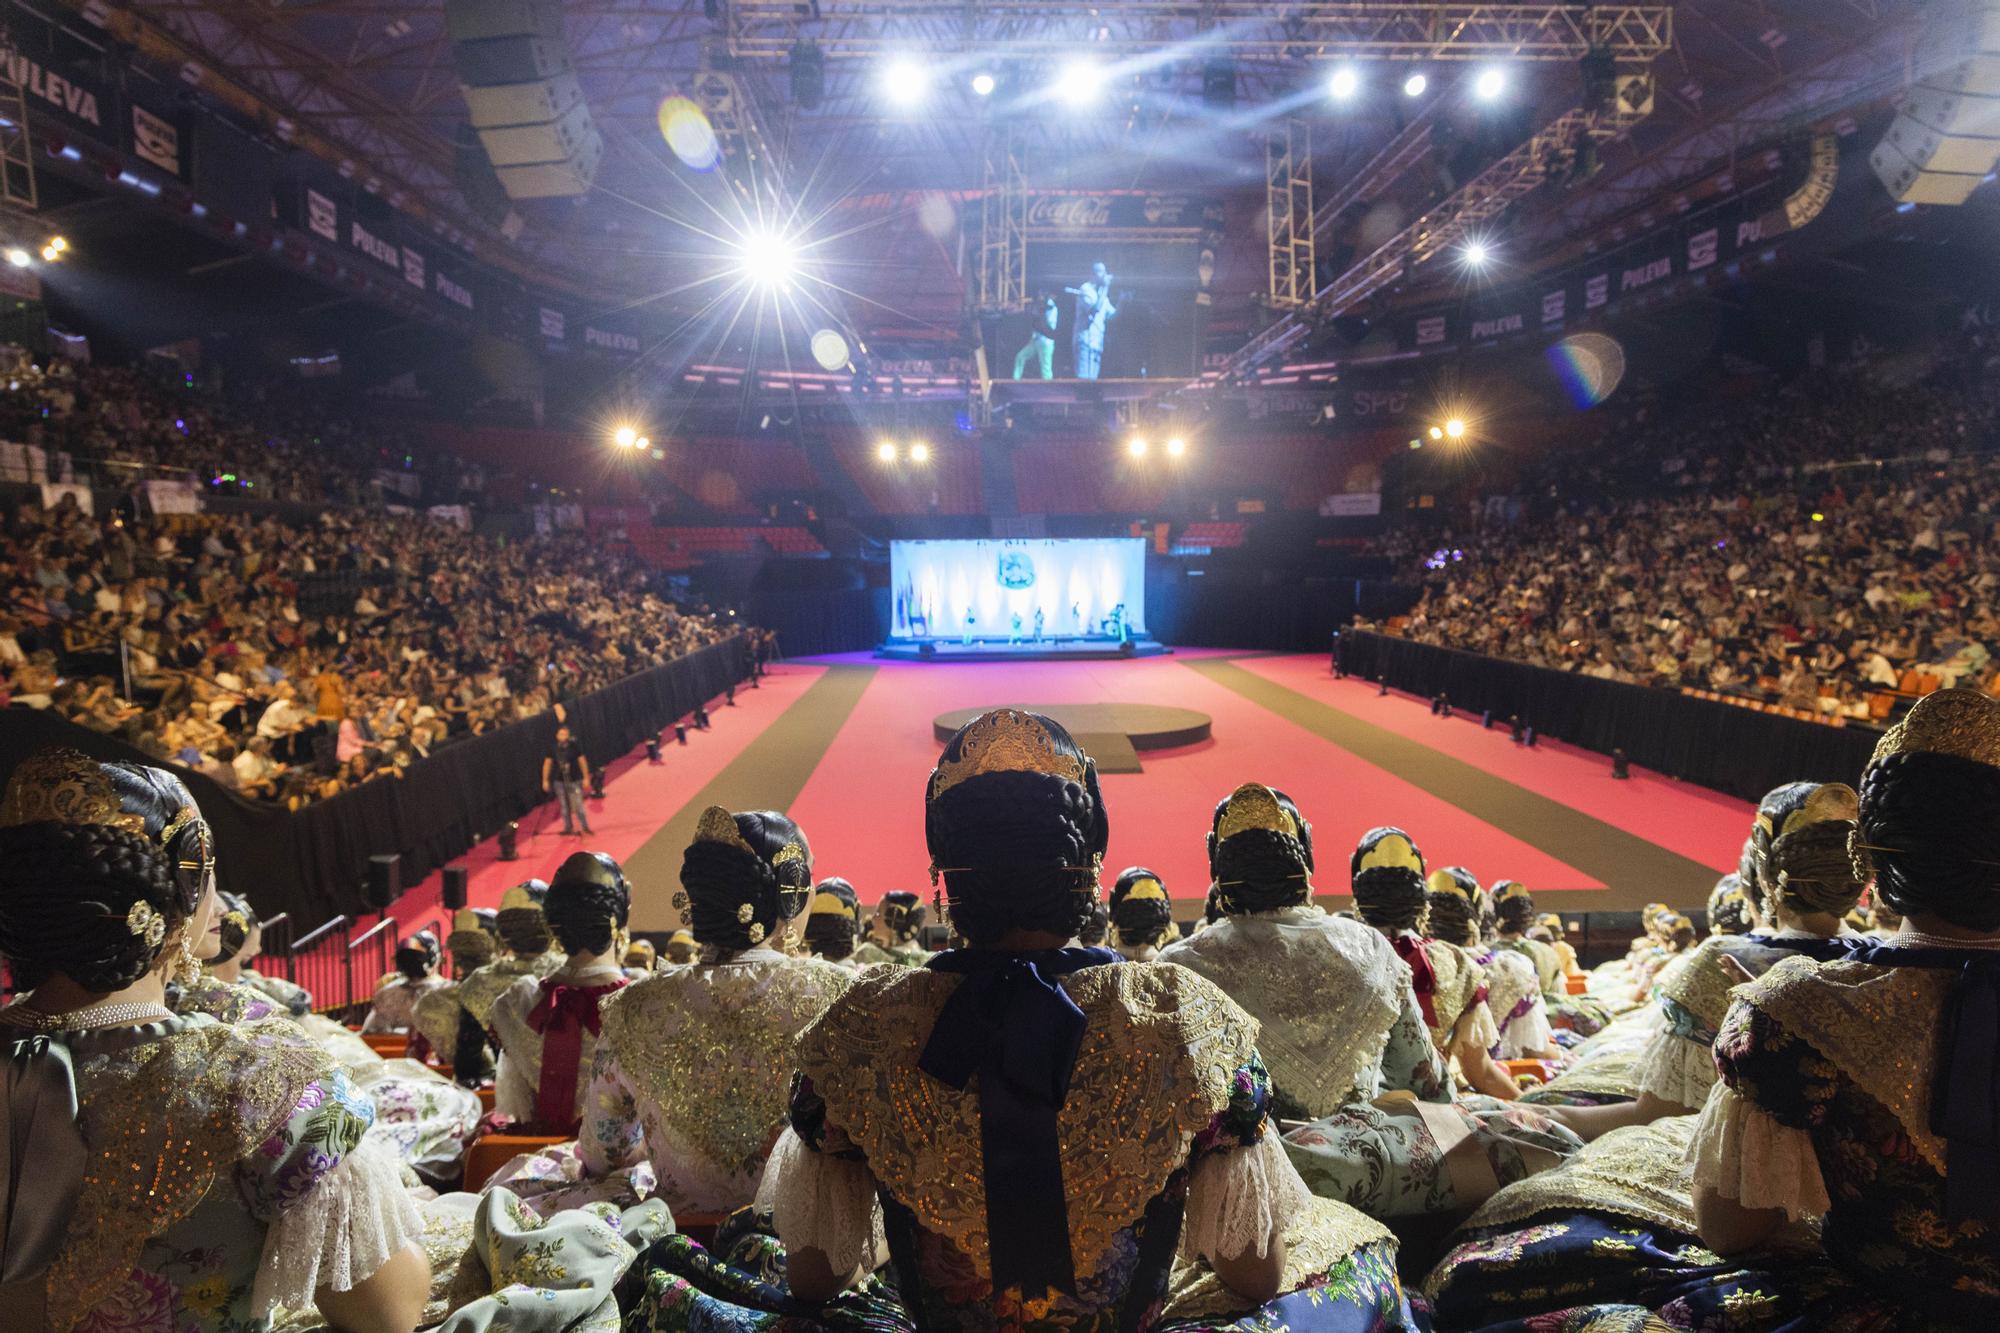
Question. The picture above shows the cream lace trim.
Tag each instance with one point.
(1677, 1070)
(1159, 1056)
(349, 1225)
(1324, 992)
(1459, 978)
(824, 1203)
(1318, 1236)
(1239, 1200)
(1861, 1018)
(1742, 1153)
(1639, 1171)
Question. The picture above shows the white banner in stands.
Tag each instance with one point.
(23, 462)
(53, 492)
(172, 497)
(1354, 504)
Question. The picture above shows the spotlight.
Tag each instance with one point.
(1437, 432)
(1476, 254)
(1490, 84)
(766, 257)
(1079, 82)
(905, 82)
(920, 453)
(1136, 446)
(625, 437)
(58, 244)
(642, 444)
(886, 452)
(1176, 447)
(1455, 428)
(1344, 83)
(50, 254)
(680, 733)
(983, 84)
(653, 749)
(1414, 85)
(510, 833)
(18, 257)
(1621, 767)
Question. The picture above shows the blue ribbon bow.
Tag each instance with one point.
(1965, 1093)
(1019, 1032)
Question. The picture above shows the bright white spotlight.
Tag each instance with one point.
(905, 82)
(1490, 84)
(18, 257)
(1455, 428)
(624, 437)
(1344, 83)
(1437, 432)
(1136, 446)
(1414, 85)
(766, 257)
(1476, 254)
(886, 451)
(1176, 446)
(983, 84)
(642, 444)
(1079, 82)
(920, 453)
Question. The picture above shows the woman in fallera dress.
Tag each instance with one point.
(395, 1005)
(1141, 917)
(1513, 991)
(899, 920)
(833, 923)
(1845, 1174)
(166, 1171)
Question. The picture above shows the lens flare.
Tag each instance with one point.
(688, 133)
(1589, 365)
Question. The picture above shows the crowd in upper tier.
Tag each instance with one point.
(1731, 546)
(1418, 1114)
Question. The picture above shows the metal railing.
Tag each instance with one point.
(318, 962)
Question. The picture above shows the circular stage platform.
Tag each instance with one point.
(1140, 726)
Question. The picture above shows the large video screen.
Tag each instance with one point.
(1144, 330)
(1086, 588)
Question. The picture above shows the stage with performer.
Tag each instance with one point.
(1050, 598)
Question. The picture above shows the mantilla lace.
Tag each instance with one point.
(350, 1224)
(1325, 993)
(1459, 978)
(1159, 1057)
(1744, 1154)
(1319, 1236)
(486, 984)
(163, 1115)
(713, 1047)
(823, 1202)
(1864, 1019)
(1637, 1172)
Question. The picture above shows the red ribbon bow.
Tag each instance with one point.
(560, 1016)
(1423, 977)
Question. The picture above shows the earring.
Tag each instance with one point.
(186, 970)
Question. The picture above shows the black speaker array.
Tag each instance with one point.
(523, 97)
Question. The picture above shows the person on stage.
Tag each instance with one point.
(565, 772)
(1093, 311)
(1041, 344)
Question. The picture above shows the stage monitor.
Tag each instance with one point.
(1018, 591)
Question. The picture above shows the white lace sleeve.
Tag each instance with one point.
(823, 1203)
(1476, 1026)
(1677, 1070)
(1240, 1198)
(1527, 1034)
(349, 1225)
(1742, 1153)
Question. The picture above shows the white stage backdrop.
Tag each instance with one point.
(1076, 585)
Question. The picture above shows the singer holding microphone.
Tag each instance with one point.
(1093, 311)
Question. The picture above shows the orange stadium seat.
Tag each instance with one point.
(490, 1152)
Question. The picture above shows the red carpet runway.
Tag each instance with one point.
(844, 744)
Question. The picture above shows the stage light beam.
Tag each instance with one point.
(1136, 446)
(886, 452)
(1344, 83)
(1489, 84)
(1455, 428)
(18, 257)
(905, 82)
(1476, 254)
(920, 453)
(1414, 85)
(1437, 432)
(1079, 82)
(766, 257)
(1176, 447)
(983, 84)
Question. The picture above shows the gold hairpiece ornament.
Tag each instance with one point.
(465, 920)
(1005, 740)
(516, 899)
(1254, 806)
(1391, 850)
(791, 854)
(144, 921)
(1509, 889)
(1830, 802)
(1959, 722)
(64, 786)
(718, 825)
(1443, 881)
(1145, 889)
(830, 904)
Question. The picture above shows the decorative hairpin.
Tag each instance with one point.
(1005, 740)
(1254, 806)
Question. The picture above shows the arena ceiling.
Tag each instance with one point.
(376, 79)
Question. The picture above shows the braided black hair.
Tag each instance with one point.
(1019, 850)
(1927, 822)
(1452, 895)
(737, 895)
(234, 919)
(1513, 907)
(1390, 898)
(1143, 922)
(1729, 907)
(1094, 930)
(903, 914)
(1260, 869)
(521, 922)
(417, 955)
(833, 935)
(1807, 869)
(588, 902)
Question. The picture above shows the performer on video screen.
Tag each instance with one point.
(1041, 344)
(1093, 311)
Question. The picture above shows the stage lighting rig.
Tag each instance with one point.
(1414, 85)
(920, 453)
(807, 68)
(885, 452)
(625, 437)
(1455, 428)
(18, 257)
(983, 84)
(1176, 447)
(1490, 84)
(1137, 446)
(1476, 253)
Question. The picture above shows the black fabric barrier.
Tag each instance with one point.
(1721, 746)
(313, 862)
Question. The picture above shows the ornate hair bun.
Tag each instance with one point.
(1447, 879)
(1144, 888)
(1828, 802)
(1254, 806)
(1005, 740)
(830, 904)
(1959, 722)
(1391, 848)
(718, 825)
(64, 786)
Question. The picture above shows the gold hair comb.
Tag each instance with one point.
(1005, 740)
(1254, 806)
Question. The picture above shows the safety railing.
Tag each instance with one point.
(317, 961)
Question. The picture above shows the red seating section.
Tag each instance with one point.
(1214, 536)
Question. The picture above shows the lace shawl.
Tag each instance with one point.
(1324, 992)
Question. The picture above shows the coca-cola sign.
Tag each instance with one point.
(1073, 214)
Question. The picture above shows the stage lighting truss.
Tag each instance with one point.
(1253, 29)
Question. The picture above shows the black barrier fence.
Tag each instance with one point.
(312, 863)
(1721, 746)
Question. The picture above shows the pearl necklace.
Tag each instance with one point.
(122, 1014)
(1917, 939)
